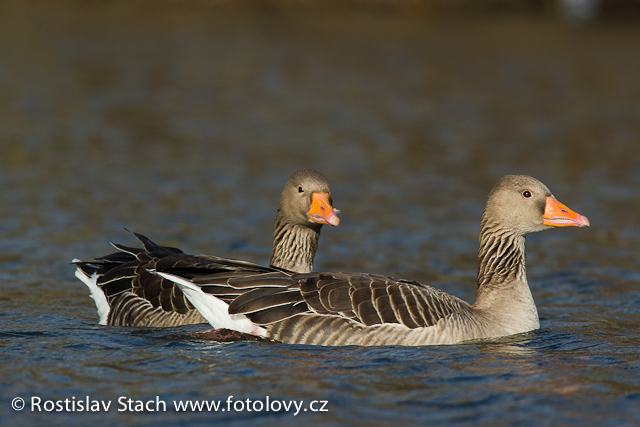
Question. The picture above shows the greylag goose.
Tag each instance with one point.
(126, 294)
(371, 309)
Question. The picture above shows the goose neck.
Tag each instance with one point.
(501, 257)
(294, 247)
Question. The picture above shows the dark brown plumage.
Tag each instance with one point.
(127, 294)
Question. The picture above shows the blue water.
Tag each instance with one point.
(183, 121)
(555, 376)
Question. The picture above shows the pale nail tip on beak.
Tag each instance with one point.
(585, 221)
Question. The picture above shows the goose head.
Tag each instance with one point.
(523, 205)
(306, 200)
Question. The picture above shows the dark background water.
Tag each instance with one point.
(183, 120)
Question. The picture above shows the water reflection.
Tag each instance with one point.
(512, 346)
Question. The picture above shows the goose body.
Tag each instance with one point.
(126, 294)
(369, 309)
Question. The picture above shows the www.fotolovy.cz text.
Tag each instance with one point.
(127, 404)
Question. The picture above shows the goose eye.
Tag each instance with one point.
(526, 194)
(300, 189)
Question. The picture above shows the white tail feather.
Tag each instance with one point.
(213, 309)
(96, 293)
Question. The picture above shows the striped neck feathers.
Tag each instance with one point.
(501, 256)
(503, 292)
(294, 246)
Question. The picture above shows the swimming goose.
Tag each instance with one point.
(371, 309)
(126, 294)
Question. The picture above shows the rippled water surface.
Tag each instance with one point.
(183, 120)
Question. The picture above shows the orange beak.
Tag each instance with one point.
(558, 215)
(321, 210)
